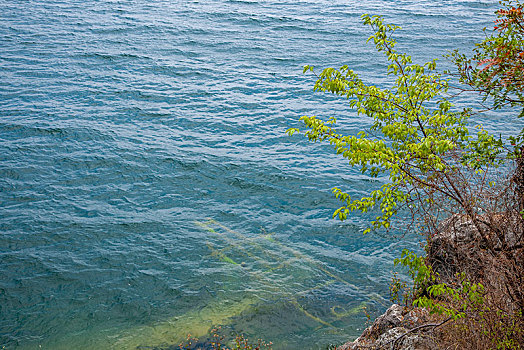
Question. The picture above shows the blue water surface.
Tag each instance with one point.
(148, 189)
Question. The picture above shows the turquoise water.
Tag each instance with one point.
(148, 189)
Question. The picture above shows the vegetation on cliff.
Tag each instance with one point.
(447, 175)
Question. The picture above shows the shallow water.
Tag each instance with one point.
(148, 188)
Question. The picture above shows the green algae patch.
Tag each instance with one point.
(261, 272)
(223, 257)
(197, 322)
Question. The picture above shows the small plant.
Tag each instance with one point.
(397, 289)
(242, 343)
(189, 343)
(479, 315)
(453, 299)
(219, 341)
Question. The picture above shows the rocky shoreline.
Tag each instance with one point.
(454, 248)
(399, 328)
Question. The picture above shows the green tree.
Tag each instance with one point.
(436, 168)
(423, 148)
(496, 68)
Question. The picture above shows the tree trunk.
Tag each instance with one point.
(518, 179)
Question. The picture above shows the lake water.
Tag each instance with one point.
(148, 189)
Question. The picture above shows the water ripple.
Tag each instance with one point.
(147, 188)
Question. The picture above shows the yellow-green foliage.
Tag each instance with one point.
(412, 135)
(432, 166)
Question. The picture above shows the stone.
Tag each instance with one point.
(392, 325)
(457, 245)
